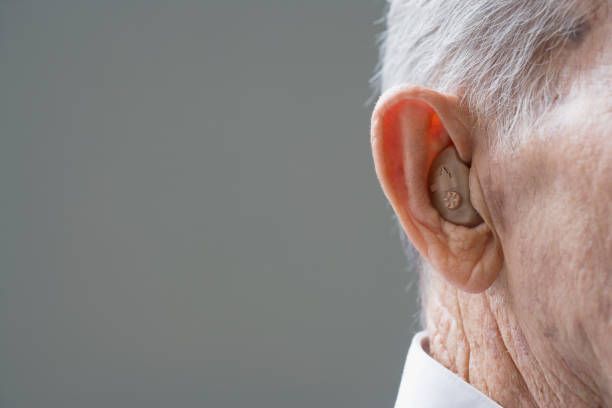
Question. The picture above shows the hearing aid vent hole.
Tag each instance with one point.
(452, 200)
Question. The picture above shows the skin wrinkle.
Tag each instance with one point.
(498, 334)
(466, 368)
(442, 317)
(587, 384)
(560, 379)
(440, 348)
(490, 310)
(535, 389)
(545, 375)
(541, 370)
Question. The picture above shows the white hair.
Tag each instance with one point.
(503, 58)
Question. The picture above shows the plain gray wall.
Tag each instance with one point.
(189, 214)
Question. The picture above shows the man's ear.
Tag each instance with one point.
(410, 127)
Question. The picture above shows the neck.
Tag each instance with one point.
(479, 338)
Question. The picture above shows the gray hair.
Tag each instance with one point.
(503, 58)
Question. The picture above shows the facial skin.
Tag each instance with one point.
(519, 306)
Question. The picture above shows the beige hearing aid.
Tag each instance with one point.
(449, 187)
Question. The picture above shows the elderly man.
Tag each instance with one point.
(516, 297)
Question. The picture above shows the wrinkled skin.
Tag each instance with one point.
(541, 335)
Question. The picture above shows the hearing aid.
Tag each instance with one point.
(449, 189)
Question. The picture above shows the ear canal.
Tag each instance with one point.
(449, 189)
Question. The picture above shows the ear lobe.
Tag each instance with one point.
(410, 127)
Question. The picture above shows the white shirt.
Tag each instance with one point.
(428, 384)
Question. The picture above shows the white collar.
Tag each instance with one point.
(427, 383)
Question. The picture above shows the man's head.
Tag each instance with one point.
(523, 91)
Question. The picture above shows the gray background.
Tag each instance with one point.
(189, 215)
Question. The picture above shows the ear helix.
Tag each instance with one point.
(449, 189)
